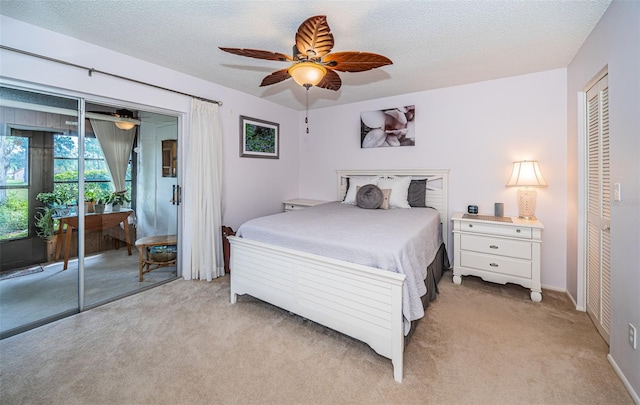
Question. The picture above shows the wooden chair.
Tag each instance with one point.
(146, 262)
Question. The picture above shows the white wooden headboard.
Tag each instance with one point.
(437, 195)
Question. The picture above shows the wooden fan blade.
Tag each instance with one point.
(258, 54)
(330, 81)
(275, 77)
(355, 61)
(314, 38)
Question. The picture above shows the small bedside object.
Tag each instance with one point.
(498, 249)
(498, 210)
(472, 209)
(298, 204)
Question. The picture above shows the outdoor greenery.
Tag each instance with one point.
(14, 215)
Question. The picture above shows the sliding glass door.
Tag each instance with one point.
(134, 246)
(34, 127)
(88, 208)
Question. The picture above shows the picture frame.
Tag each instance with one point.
(259, 138)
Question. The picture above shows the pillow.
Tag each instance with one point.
(369, 197)
(386, 192)
(354, 182)
(417, 193)
(399, 190)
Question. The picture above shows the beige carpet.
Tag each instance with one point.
(183, 343)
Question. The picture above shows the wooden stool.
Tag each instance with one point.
(143, 245)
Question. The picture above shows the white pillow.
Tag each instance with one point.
(399, 190)
(354, 183)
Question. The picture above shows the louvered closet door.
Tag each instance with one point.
(598, 208)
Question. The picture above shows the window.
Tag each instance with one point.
(14, 187)
(96, 173)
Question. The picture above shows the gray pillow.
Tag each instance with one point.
(369, 196)
(417, 193)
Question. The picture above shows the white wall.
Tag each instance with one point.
(474, 130)
(253, 187)
(614, 43)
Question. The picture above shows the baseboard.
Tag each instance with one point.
(564, 290)
(625, 382)
(575, 304)
(554, 288)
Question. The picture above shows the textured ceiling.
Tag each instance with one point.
(432, 44)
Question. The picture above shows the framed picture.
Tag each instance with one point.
(258, 138)
(390, 127)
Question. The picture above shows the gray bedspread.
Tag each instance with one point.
(404, 241)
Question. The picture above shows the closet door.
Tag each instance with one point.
(598, 208)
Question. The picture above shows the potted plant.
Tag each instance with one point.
(98, 207)
(117, 200)
(44, 223)
(90, 197)
(51, 200)
(45, 226)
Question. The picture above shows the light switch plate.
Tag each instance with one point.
(616, 192)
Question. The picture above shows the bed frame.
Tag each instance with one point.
(359, 301)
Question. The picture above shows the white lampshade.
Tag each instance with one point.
(307, 73)
(526, 174)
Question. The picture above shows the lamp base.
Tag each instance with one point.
(527, 203)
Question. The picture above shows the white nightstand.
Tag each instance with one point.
(498, 251)
(298, 204)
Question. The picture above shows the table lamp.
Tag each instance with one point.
(526, 174)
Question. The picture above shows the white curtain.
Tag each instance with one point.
(116, 146)
(202, 256)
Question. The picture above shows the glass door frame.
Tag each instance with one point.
(83, 99)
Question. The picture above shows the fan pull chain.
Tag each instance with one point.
(306, 118)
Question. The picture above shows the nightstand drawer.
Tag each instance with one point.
(496, 246)
(496, 264)
(491, 229)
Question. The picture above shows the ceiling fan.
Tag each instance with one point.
(312, 62)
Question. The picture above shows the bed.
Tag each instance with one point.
(309, 263)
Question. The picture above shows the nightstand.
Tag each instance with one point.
(298, 204)
(498, 249)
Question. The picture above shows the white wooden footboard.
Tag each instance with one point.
(359, 301)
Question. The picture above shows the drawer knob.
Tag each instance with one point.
(493, 247)
(518, 230)
(470, 225)
(493, 264)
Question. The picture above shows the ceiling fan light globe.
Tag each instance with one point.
(125, 125)
(307, 73)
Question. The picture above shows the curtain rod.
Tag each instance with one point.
(65, 111)
(92, 70)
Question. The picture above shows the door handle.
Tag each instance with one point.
(175, 194)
